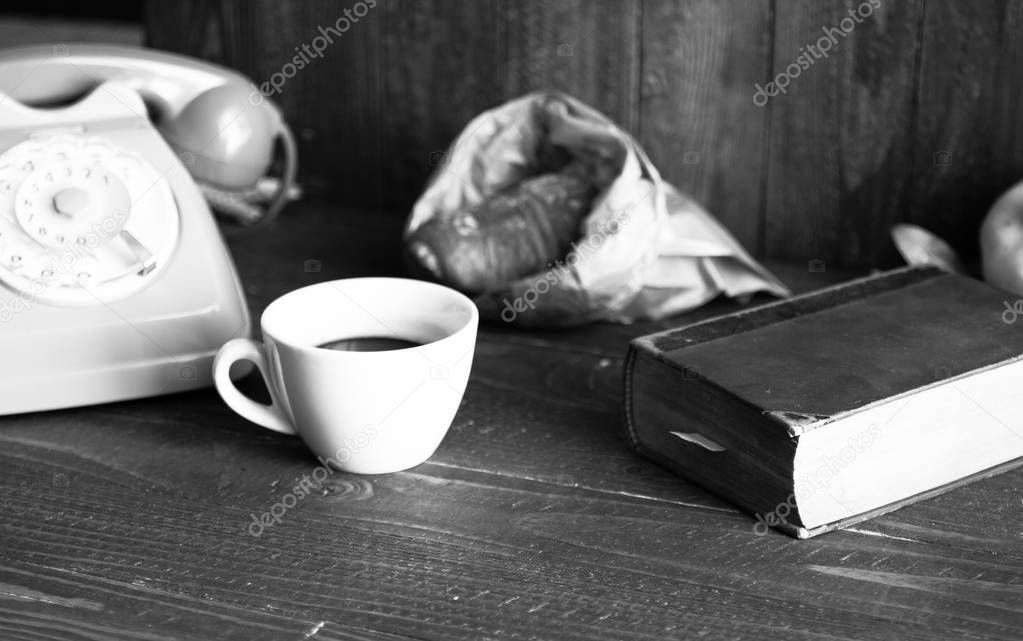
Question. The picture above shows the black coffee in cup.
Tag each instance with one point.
(369, 344)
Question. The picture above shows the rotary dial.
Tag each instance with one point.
(81, 220)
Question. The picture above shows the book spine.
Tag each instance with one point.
(704, 433)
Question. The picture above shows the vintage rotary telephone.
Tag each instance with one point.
(114, 280)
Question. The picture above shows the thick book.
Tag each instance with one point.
(819, 411)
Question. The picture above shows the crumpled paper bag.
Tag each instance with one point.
(645, 250)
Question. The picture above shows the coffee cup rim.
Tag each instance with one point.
(471, 320)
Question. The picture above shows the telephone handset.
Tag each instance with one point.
(114, 280)
(212, 116)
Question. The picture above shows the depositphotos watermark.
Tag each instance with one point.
(65, 262)
(310, 482)
(309, 51)
(819, 479)
(1012, 312)
(811, 53)
(562, 269)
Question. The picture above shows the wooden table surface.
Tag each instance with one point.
(532, 521)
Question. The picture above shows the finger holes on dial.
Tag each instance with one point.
(69, 239)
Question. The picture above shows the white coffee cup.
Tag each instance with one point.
(367, 412)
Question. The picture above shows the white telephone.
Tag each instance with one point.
(114, 280)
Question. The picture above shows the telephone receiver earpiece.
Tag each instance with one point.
(214, 118)
(226, 135)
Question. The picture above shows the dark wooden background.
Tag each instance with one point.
(533, 520)
(860, 141)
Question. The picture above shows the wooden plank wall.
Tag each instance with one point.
(912, 116)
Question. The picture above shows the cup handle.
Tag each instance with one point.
(243, 349)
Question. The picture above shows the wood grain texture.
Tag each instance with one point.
(968, 116)
(333, 102)
(1007, 146)
(441, 66)
(912, 116)
(590, 49)
(841, 136)
(376, 111)
(698, 121)
(532, 521)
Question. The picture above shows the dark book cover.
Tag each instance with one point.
(725, 401)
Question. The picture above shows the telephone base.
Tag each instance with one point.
(124, 381)
(68, 337)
